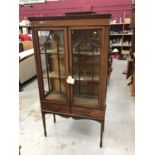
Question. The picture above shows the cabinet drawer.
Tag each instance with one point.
(53, 107)
(88, 112)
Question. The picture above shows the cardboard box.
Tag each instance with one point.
(127, 20)
(125, 52)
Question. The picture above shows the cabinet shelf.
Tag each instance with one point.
(116, 34)
(120, 45)
(54, 52)
(86, 53)
(116, 45)
(87, 61)
(56, 96)
(114, 24)
(85, 100)
(129, 34)
(56, 75)
(88, 78)
(126, 45)
(78, 99)
(121, 34)
(119, 24)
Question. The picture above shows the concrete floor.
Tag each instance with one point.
(80, 137)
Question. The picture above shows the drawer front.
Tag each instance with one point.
(53, 107)
(88, 112)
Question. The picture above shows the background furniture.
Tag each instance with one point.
(120, 37)
(27, 45)
(71, 55)
(27, 69)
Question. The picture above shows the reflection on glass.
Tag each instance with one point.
(44, 72)
(53, 64)
(86, 46)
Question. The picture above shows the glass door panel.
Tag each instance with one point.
(86, 46)
(52, 54)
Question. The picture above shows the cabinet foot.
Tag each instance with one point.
(20, 87)
(44, 124)
(45, 134)
(101, 134)
(54, 118)
(100, 145)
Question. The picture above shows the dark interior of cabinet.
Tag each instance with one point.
(86, 46)
(53, 64)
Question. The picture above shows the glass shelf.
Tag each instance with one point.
(56, 75)
(86, 53)
(86, 100)
(95, 78)
(56, 96)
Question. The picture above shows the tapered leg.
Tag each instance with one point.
(20, 87)
(101, 134)
(44, 124)
(54, 118)
(19, 149)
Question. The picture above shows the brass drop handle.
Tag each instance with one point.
(70, 80)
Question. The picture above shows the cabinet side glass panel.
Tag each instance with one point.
(53, 64)
(86, 46)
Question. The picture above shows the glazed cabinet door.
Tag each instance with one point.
(52, 55)
(86, 52)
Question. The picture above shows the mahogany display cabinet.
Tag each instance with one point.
(71, 56)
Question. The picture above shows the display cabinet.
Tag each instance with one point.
(71, 56)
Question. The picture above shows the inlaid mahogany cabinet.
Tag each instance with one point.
(71, 56)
